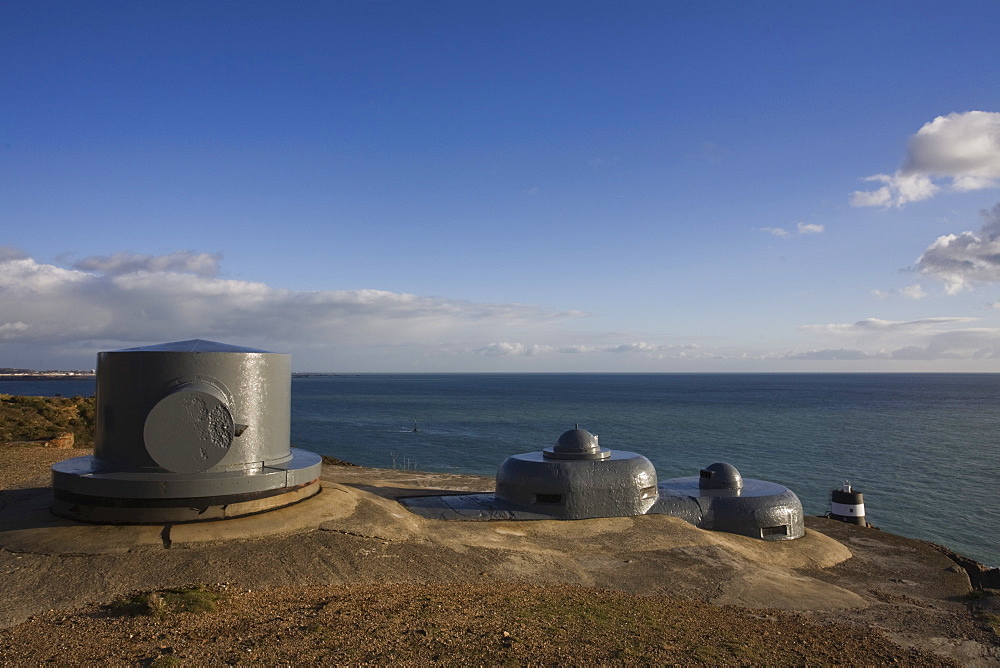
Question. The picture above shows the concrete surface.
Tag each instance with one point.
(355, 531)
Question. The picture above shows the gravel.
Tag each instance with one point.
(462, 624)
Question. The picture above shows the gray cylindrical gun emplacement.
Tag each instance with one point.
(187, 431)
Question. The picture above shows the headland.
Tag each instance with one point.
(351, 576)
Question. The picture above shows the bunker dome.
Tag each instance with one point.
(187, 431)
(576, 479)
(720, 499)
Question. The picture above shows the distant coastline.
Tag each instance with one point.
(54, 375)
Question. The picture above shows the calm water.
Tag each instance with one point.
(924, 448)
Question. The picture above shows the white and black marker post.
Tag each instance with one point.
(848, 505)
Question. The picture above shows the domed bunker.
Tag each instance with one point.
(187, 431)
(574, 479)
(720, 499)
(577, 479)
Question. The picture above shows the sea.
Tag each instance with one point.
(924, 449)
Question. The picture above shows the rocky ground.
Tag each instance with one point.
(468, 624)
(372, 584)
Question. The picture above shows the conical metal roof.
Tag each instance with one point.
(193, 346)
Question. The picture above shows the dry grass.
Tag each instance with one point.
(40, 418)
(196, 598)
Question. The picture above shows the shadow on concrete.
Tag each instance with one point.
(10, 497)
(26, 510)
(13, 502)
(396, 493)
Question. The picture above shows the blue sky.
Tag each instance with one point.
(504, 186)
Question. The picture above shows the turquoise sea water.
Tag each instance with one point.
(923, 448)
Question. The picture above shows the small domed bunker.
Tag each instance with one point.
(576, 479)
(187, 431)
(720, 499)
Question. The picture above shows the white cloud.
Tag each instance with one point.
(634, 347)
(800, 228)
(966, 345)
(776, 231)
(642, 348)
(10, 330)
(870, 325)
(189, 262)
(49, 312)
(927, 339)
(834, 354)
(507, 348)
(961, 261)
(964, 146)
(53, 315)
(899, 189)
(915, 292)
(960, 150)
(973, 343)
(42, 303)
(809, 228)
